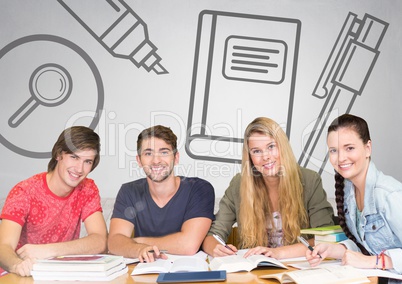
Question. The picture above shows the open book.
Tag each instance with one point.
(174, 263)
(332, 274)
(235, 263)
(366, 271)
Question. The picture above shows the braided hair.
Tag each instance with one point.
(339, 196)
(360, 126)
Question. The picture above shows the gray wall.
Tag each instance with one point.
(55, 50)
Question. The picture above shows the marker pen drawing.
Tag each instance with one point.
(118, 29)
(344, 76)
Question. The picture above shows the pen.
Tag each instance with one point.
(305, 242)
(118, 29)
(343, 79)
(219, 239)
(160, 251)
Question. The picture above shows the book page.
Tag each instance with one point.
(262, 260)
(293, 259)
(281, 277)
(306, 265)
(129, 260)
(201, 254)
(174, 263)
(189, 264)
(235, 263)
(328, 274)
(159, 265)
(380, 273)
(231, 263)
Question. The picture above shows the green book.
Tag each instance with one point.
(322, 230)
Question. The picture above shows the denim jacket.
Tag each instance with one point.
(380, 226)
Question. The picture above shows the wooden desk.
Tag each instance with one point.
(239, 277)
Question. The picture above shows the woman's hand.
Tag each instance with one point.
(269, 252)
(221, 250)
(322, 251)
(359, 260)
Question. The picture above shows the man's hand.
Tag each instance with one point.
(30, 251)
(150, 254)
(23, 268)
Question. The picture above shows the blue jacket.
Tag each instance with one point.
(380, 226)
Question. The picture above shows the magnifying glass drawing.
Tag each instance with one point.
(50, 85)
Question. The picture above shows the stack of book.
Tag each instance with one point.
(331, 234)
(100, 267)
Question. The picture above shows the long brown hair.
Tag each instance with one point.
(255, 203)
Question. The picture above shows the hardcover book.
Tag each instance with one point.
(322, 230)
(79, 268)
(334, 238)
(78, 263)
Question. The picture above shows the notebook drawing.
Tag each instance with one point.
(244, 67)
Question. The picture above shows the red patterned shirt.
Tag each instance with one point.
(46, 217)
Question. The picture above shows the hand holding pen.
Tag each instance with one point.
(222, 242)
(305, 242)
(151, 253)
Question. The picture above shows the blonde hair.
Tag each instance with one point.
(255, 203)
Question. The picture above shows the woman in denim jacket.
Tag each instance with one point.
(368, 202)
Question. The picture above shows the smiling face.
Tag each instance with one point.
(157, 159)
(348, 154)
(264, 153)
(70, 171)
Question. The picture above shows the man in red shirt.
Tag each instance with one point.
(42, 215)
